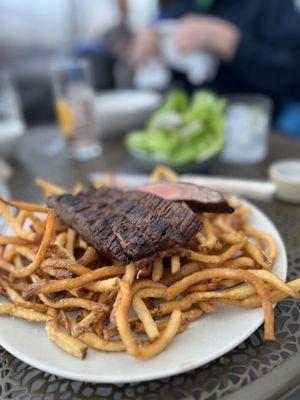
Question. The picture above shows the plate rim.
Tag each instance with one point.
(97, 379)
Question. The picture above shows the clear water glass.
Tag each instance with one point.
(248, 120)
(11, 120)
(74, 102)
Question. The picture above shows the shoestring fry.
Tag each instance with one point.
(50, 275)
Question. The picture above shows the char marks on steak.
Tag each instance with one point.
(127, 225)
(199, 198)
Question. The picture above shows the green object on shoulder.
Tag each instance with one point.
(204, 5)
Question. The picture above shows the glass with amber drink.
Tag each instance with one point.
(74, 104)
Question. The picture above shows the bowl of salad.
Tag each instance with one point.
(185, 135)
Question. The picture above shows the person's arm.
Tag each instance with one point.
(257, 64)
(267, 68)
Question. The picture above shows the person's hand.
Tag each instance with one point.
(208, 33)
(145, 44)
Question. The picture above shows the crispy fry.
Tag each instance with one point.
(71, 266)
(71, 235)
(61, 239)
(147, 351)
(27, 252)
(58, 273)
(207, 307)
(232, 237)
(211, 259)
(99, 325)
(82, 244)
(186, 302)
(70, 302)
(161, 325)
(74, 302)
(80, 281)
(37, 224)
(275, 281)
(4, 240)
(127, 277)
(49, 188)
(17, 285)
(209, 238)
(167, 335)
(266, 237)
(143, 312)
(157, 270)
(14, 296)
(18, 261)
(145, 283)
(121, 317)
(25, 206)
(257, 256)
(21, 217)
(221, 221)
(89, 256)
(41, 308)
(94, 341)
(161, 171)
(106, 285)
(175, 264)
(185, 270)
(29, 236)
(71, 345)
(84, 324)
(240, 275)
(144, 272)
(64, 320)
(48, 235)
(239, 262)
(191, 315)
(186, 317)
(203, 287)
(129, 274)
(24, 313)
(60, 252)
(253, 300)
(78, 187)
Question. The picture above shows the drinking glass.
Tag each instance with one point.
(74, 103)
(248, 120)
(11, 121)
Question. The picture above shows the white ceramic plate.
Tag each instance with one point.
(205, 340)
(120, 111)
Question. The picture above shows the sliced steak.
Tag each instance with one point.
(127, 225)
(199, 198)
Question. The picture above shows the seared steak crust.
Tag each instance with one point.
(127, 225)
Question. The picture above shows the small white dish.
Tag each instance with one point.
(286, 175)
(205, 340)
(120, 111)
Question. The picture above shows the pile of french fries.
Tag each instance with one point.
(52, 276)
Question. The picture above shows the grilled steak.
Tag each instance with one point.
(199, 198)
(127, 225)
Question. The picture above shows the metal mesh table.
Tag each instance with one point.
(247, 363)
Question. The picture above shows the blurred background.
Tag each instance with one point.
(35, 34)
(178, 82)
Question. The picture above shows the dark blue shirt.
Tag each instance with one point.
(268, 56)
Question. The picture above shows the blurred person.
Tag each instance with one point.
(109, 49)
(257, 43)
